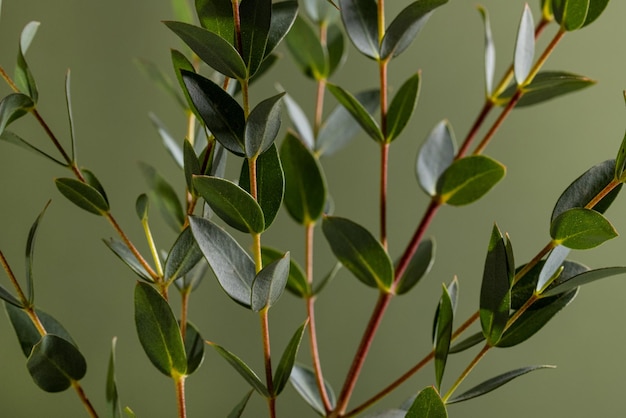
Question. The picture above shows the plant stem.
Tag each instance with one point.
(131, 247)
(265, 329)
(180, 396)
(83, 398)
(321, 87)
(384, 174)
(466, 372)
(153, 248)
(602, 194)
(13, 279)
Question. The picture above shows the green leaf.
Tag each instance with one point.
(300, 122)
(164, 197)
(13, 107)
(129, 412)
(92, 180)
(443, 334)
(490, 52)
(255, 18)
(418, 267)
(220, 112)
(262, 126)
(23, 77)
(340, 127)
(596, 7)
(435, 156)
(217, 16)
(12, 138)
(562, 285)
(112, 397)
(358, 112)
(192, 165)
(168, 140)
(269, 284)
(30, 253)
(468, 179)
(552, 266)
(571, 14)
(243, 369)
(359, 252)
(320, 11)
(158, 331)
(6, 296)
(287, 360)
(335, 48)
(547, 85)
(620, 161)
(360, 18)
(55, 363)
(284, 15)
(180, 63)
(296, 281)
(495, 382)
(231, 203)
(304, 382)
(307, 50)
(160, 79)
(524, 47)
(406, 26)
(125, 254)
(214, 50)
(582, 190)
(83, 195)
(467, 343)
(581, 229)
(531, 321)
(182, 10)
(194, 348)
(495, 292)
(191, 280)
(239, 408)
(305, 185)
(182, 257)
(233, 267)
(427, 404)
(319, 286)
(70, 115)
(402, 106)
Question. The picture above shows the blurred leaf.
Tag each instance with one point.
(307, 50)
(524, 47)
(340, 127)
(359, 252)
(360, 19)
(6, 296)
(30, 253)
(160, 79)
(191, 280)
(55, 363)
(561, 285)
(220, 112)
(182, 257)
(304, 382)
(83, 195)
(158, 331)
(12, 138)
(335, 48)
(406, 26)
(305, 185)
(596, 7)
(180, 63)
(284, 15)
(320, 10)
(620, 161)
(287, 360)
(418, 267)
(495, 382)
(435, 156)
(468, 179)
(402, 106)
(490, 52)
(23, 77)
(243, 369)
(427, 404)
(194, 348)
(70, 115)
(231, 203)
(164, 197)
(296, 281)
(255, 18)
(300, 122)
(570, 14)
(182, 10)
(217, 17)
(262, 126)
(233, 267)
(239, 408)
(443, 334)
(547, 85)
(13, 107)
(357, 110)
(467, 343)
(170, 144)
(320, 285)
(269, 284)
(552, 265)
(192, 165)
(125, 254)
(112, 397)
(581, 229)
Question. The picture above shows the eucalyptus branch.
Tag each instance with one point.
(180, 396)
(84, 399)
(466, 372)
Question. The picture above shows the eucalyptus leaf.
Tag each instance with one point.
(320, 11)
(55, 363)
(552, 265)
(194, 348)
(402, 106)
(467, 343)
(180, 63)
(435, 156)
(562, 285)
(233, 267)
(357, 110)
(239, 408)
(297, 283)
(262, 126)
(30, 253)
(70, 115)
(304, 382)
(92, 180)
(596, 8)
(571, 14)
(192, 165)
(284, 15)
(427, 404)
(83, 195)
(182, 257)
(15, 139)
(468, 179)
(217, 16)
(300, 122)
(125, 254)
(8, 297)
(418, 267)
(243, 369)
(170, 144)
(111, 394)
(443, 334)
(490, 52)
(360, 18)
(163, 195)
(546, 85)
(620, 160)
(287, 360)
(581, 229)
(307, 50)
(335, 48)
(255, 17)
(269, 284)
(13, 107)
(524, 47)
(23, 77)
(319, 286)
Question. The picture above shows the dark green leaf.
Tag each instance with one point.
(6, 296)
(467, 343)
(182, 10)
(220, 112)
(158, 331)
(524, 47)
(571, 14)
(296, 281)
(255, 17)
(242, 368)
(418, 267)
(495, 382)
(12, 138)
(192, 165)
(233, 267)
(239, 408)
(340, 127)
(335, 46)
(92, 180)
(231, 203)
(23, 77)
(320, 11)
(269, 284)
(112, 397)
(168, 140)
(212, 49)
(320, 285)
(620, 161)
(164, 197)
(125, 254)
(194, 348)
(596, 7)
(582, 190)
(468, 179)
(435, 156)
(217, 17)
(581, 229)
(183, 256)
(30, 253)
(287, 360)
(83, 195)
(307, 50)
(490, 52)
(406, 26)
(561, 285)
(13, 107)
(284, 15)
(55, 363)
(360, 18)
(180, 63)
(358, 111)
(402, 106)
(262, 126)
(443, 334)
(359, 252)
(545, 86)
(427, 404)
(304, 382)
(300, 122)
(160, 79)
(305, 185)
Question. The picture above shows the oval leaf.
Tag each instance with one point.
(524, 47)
(183, 256)
(12, 107)
(269, 284)
(83, 195)
(402, 106)
(360, 18)
(427, 404)
(468, 179)
(297, 283)
(262, 126)
(307, 50)
(125, 254)
(217, 17)
(418, 267)
(545, 86)
(255, 18)
(55, 363)
(284, 15)
(581, 229)
(435, 156)
(358, 112)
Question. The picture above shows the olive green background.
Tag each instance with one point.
(84, 286)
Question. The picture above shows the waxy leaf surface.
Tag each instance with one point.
(243, 369)
(358, 112)
(427, 404)
(402, 106)
(288, 359)
(269, 284)
(55, 363)
(360, 18)
(303, 381)
(468, 179)
(435, 156)
(83, 195)
(581, 229)
(524, 47)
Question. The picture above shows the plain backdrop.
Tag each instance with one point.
(84, 286)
